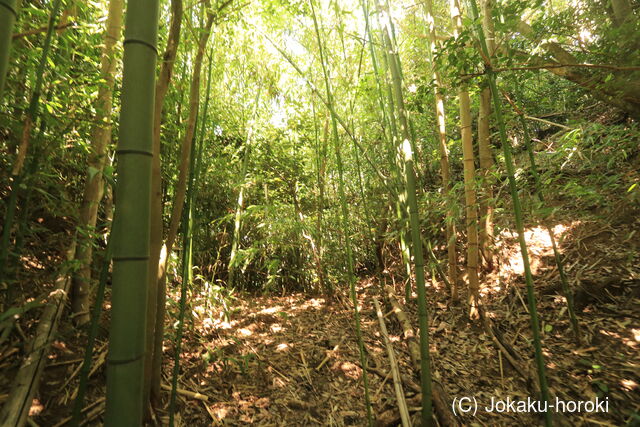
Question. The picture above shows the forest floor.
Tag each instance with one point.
(293, 360)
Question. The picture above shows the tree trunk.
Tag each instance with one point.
(125, 364)
(93, 187)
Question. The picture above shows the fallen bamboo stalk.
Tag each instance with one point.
(16, 409)
(441, 401)
(91, 409)
(508, 353)
(395, 372)
(329, 354)
(188, 393)
(405, 323)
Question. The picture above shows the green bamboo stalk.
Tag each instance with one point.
(240, 204)
(34, 103)
(564, 282)
(187, 270)
(345, 216)
(361, 186)
(23, 191)
(31, 115)
(388, 116)
(414, 221)
(93, 333)
(8, 15)
(131, 223)
(517, 208)
(402, 207)
(320, 157)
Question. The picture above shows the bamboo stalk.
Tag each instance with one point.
(535, 327)
(397, 380)
(450, 233)
(406, 153)
(237, 224)
(157, 288)
(441, 400)
(16, 409)
(345, 215)
(564, 282)
(125, 364)
(8, 15)
(471, 215)
(93, 333)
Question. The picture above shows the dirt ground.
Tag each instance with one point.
(292, 360)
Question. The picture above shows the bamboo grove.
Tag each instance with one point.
(193, 150)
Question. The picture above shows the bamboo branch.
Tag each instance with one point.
(42, 30)
(332, 111)
(553, 66)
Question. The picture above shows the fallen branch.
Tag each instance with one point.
(407, 330)
(15, 410)
(187, 393)
(329, 354)
(395, 372)
(92, 410)
(509, 353)
(441, 401)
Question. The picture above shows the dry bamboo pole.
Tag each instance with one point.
(485, 228)
(441, 400)
(450, 228)
(154, 292)
(94, 185)
(16, 409)
(395, 372)
(469, 178)
(178, 203)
